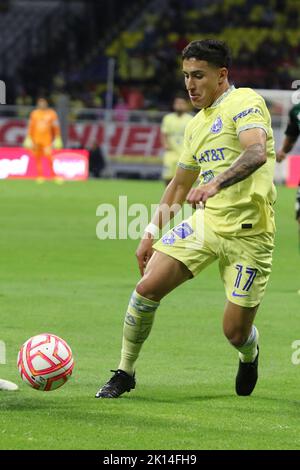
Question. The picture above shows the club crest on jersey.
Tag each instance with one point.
(183, 230)
(217, 126)
(168, 238)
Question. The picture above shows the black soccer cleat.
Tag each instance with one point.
(120, 383)
(247, 377)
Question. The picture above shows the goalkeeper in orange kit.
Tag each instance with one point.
(43, 135)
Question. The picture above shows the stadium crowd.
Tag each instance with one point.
(264, 37)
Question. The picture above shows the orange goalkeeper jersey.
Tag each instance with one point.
(43, 126)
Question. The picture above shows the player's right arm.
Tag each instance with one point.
(286, 147)
(171, 202)
(291, 135)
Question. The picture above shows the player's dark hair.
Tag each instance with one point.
(42, 97)
(215, 52)
(182, 95)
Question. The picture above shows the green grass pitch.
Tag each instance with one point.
(56, 276)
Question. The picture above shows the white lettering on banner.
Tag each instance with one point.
(124, 138)
(13, 167)
(92, 136)
(122, 141)
(140, 141)
(151, 140)
(69, 168)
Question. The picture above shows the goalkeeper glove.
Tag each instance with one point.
(58, 143)
(28, 144)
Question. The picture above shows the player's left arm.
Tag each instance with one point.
(253, 142)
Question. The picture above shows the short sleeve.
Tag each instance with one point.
(187, 160)
(251, 113)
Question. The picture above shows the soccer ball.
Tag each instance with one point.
(45, 362)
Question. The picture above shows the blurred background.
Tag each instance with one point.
(110, 68)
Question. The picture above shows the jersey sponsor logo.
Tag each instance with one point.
(168, 239)
(217, 126)
(207, 176)
(211, 155)
(246, 112)
(183, 230)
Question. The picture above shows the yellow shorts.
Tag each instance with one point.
(244, 262)
(170, 161)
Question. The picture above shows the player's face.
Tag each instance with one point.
(180, 105)
(42, 103)
(203, 81)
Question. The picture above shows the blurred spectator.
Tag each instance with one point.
(121, 110)
(264, 38)
(135, 98)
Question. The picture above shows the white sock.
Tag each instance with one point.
(248, 351)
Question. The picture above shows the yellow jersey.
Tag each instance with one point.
(173, 125)
(211, 144)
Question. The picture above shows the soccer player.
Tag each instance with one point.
(172, 133)
(43, 135)
(230, 141)
(292, 133)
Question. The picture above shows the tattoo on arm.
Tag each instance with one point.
(249, 161)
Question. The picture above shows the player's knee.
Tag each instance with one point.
(235, 336)
(145, 289)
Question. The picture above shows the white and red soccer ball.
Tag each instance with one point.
(45, 362)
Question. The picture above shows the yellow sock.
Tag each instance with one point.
(137, 326)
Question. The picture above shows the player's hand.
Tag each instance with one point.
(28, 144)
(58, 143)
(198, 196)
(144, 251)
(280, 155)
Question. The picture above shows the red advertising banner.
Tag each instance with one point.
(16, 162)
(124, 138)
(293, 171)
